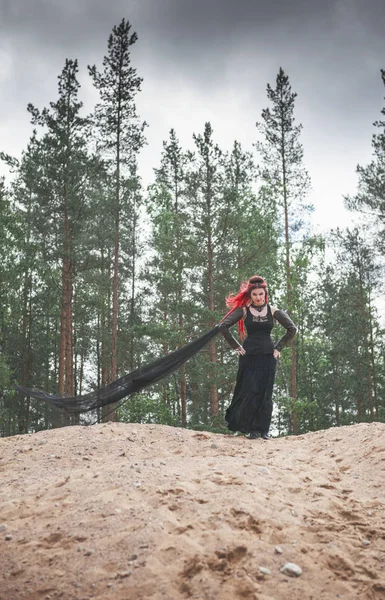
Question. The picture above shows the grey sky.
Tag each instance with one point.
(210, 60)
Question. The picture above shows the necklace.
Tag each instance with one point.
(258, 308)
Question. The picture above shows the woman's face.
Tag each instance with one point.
(258, 296)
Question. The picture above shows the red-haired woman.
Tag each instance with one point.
(251, 407)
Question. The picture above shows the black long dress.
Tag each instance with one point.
(251, 406)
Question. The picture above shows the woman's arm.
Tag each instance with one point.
(230, 320)
(288, 324)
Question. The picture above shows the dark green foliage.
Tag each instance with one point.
(144, 408)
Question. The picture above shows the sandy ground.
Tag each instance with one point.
(127, 511)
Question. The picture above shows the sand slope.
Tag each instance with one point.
(127, 511)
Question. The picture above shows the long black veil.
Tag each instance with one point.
(133, 382)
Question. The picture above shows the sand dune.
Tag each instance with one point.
(127, 511)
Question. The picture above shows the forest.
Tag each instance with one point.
(100, 275)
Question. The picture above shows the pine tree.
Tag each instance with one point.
(11, 411)
(24, 191)
(347, 319)
(168, 273)
(62, 198)
(362, 273)
(205, 181)
(283, 171)
(121, 137)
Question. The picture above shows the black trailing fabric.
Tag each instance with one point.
(129, 384)
(251, 406)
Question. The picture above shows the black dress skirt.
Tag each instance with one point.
(251, 407)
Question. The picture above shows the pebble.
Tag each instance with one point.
(3, 527)
(264, 570)
(278, 550)
(214, 446)
(264, 470)
(365, 542)
(291, 569)
(9, 537)
(123, 574)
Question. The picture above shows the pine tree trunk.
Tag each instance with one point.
(66, 350)
(165, 391)
(133, 292)
(105, 325)
(358, 391)
(293, 366)
(69, 387)
(183, 395)
(182, 376)
(63, 331)
(336, 395)
(365, 342)
(26, 346)
(374, 372)
(112, 415)
(212, 345)
(99, 357)
(26, 358)
(29, 355)
(183, 385)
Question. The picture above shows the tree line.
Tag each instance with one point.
(99, 276)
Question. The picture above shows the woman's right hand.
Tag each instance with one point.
(240, 350)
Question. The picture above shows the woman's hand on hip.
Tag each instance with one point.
(276, 354)
(240, 350)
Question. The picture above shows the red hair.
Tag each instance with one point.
(243, 298)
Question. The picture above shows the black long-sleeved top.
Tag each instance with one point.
(258, 340)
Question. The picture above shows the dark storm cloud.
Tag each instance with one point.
(186, 29)
(204, 43)
(196, 37)
(183, 20)
(211, 60)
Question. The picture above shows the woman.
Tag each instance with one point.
(251, 407)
